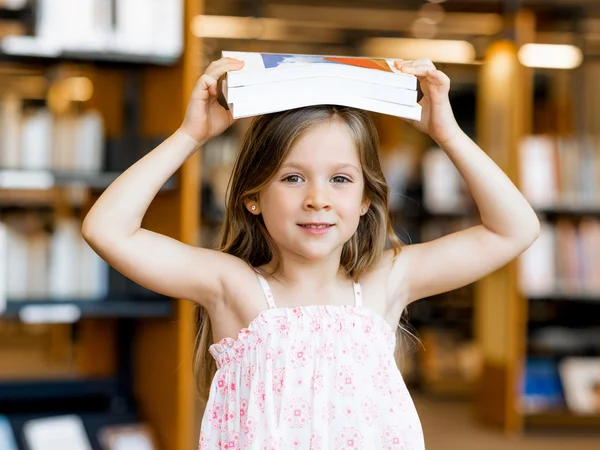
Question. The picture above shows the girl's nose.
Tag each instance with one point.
(316, 198)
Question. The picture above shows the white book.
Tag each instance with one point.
(65, 259)
(53, 433)
(261, 68)
(320, 86)
(17, 269)
(3, 268)
(36, 140)
(89, 142)
(271, 105)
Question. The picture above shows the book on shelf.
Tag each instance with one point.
(273, 82)
(40, 265)
(100, 27)
(541, 386)
(51, 433)
(560, 171)
(36, 139)
(565, 259)
(581, 380)
(7, 437)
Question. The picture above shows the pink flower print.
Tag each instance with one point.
(259, 396)
(203, 441)
(233, 441)
(215, 415)
(344, 381)
(249, 374)
(222, 383)
(249, 431)
(299, 354)
(228, 417)
(328, 412)
(316, 382)
(282, 326)
(315, 326)
(380, 379)
(279, 380)
(327, 352)
(243, 412)
(273, 443)
(348, 412)
(232, 391)
(315, 441)
(297, 412)
(360, 351)
(297, 312)
(368, 411)
(367, 325)
(349, 438)
(296, 443)
(392, 439)
(339, 325)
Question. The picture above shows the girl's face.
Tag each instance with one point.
(312, 206)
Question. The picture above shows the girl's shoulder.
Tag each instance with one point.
(383, 282)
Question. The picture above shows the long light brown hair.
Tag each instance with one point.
(266, 144)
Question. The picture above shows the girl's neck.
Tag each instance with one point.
(294, 273)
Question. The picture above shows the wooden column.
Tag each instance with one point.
(164, 381)
(503, 118)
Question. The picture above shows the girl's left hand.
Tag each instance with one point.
(437, 118)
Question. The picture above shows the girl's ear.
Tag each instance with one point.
(364, 207)
(252, 206)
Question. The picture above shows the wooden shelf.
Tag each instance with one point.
(96, 57)
(57, 389)
(562, 419)
(46, 179)
(593, 297)
(571, 210)
(68, 311)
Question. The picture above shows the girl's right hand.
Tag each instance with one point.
(205, 118)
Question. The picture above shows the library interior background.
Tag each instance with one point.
(88, 87)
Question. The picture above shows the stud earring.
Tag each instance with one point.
(253, 208)
(364, 210)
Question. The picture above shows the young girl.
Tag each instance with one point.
(303, 300)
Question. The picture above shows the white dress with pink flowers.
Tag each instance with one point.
(311, 377)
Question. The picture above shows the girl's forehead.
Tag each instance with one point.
(331, 140)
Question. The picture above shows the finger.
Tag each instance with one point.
(417, 70)
(218, 68)
(415, 63)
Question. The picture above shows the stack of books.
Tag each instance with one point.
(272, 82)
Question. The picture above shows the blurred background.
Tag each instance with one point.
(89, 360)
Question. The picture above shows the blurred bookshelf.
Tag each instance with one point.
(536, 318)
(86, 90)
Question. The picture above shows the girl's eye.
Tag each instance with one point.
(293, 179)
(340, 179)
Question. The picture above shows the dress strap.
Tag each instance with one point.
(357, 293)
(267, 290)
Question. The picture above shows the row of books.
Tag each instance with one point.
(138, 27)
(70, 432)
(39, 140)
(560, 171)
(272, 82)
(565, 259)
(550, 384)
(38, 264)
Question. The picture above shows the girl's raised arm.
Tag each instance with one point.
(509, 224)
(113, 225)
